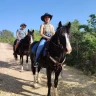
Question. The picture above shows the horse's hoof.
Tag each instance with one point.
(27, 70)
(38, 81)
(21, 70)
(35, 85)
(49, 95)
(26, 61)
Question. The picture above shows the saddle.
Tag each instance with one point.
(44, 51)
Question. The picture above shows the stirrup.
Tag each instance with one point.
(36, 64)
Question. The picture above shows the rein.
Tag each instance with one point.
(58, 64)
(60, 45)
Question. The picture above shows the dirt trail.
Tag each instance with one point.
(15, 83)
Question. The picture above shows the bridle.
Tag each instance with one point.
(57, 64)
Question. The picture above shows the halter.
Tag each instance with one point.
(57, 64)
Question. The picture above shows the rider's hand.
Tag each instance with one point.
(48, 38)
(18, 38)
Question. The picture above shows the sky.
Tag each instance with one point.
(15, 12)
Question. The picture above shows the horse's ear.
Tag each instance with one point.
(33, 31)
(60, 24)
(69, 24)
(28, 30)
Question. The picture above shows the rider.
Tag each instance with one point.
(20, 33)
(46, 31)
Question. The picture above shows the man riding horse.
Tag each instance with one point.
(21, 45)
(20, 33)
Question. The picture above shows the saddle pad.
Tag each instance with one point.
(44, 51)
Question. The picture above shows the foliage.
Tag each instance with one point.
(7, 40)
(83, 44)
(37, 35)
(92, 22)
(6, 36)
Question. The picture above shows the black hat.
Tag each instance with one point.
(23, 24)
(46, 14)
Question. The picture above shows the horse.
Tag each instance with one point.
(23, 48)
(53, 60)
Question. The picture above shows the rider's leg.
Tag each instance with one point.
(39, 49)
(16, 46)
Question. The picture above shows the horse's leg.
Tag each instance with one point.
(26, 58)
(37, 74)
(27, 61)
(57, 73)
(21, 62)
(49, 72)
(33, 69)
(15, 55)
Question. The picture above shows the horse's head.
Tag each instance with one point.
(31, 35)
(63, 32)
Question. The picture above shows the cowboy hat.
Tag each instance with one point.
(23, 24)
(46, 14)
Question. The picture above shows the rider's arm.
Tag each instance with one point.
(42, 32)
(53, 31)
(26, 33)
(17, 34)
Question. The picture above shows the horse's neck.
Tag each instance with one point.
(54, 47)
(25, 41)
(54, 39)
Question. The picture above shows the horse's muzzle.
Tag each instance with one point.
(69, 51)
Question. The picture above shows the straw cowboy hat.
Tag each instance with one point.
(46, 14)
(23, 24)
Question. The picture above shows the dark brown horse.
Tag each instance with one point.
(24, 46)
(54, 59)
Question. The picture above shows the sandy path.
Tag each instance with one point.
(15, 83)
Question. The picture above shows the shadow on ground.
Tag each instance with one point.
(14, 85)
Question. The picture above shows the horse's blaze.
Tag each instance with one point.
(68, 45)
(31, 41)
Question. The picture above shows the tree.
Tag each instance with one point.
(83, 43)
(85, 27)
(75, 36)
(75, 26)
(6, 34)
(92, 22)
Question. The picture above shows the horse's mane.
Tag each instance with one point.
(55, 36)
(25, 40)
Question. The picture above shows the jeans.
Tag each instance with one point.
(40, 47)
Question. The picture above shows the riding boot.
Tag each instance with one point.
(36, 63)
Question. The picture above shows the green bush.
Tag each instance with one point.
(83, 57)
(37, 37)
(7, 40)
